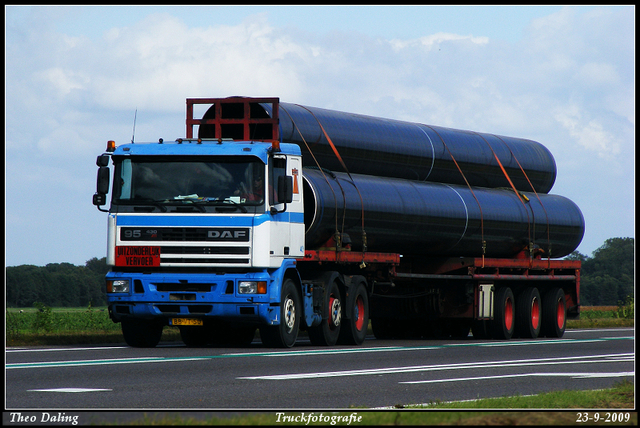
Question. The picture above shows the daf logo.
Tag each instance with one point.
(228, 234)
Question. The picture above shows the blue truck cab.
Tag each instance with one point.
(202, 234)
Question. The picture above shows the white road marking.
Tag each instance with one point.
(62, 349)
(98, 362)
(573, 375)
(69, 390)
(439, 367)
(288, 353)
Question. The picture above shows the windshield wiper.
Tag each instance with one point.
(235, 204)
(197, 204)
(146, 202)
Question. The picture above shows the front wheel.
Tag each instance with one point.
(354, 327)
(285, 334)
(142, 334)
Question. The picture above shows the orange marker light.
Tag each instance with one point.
(262, 287)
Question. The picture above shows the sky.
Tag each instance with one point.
(75, 77)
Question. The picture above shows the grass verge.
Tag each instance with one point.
(566, 408)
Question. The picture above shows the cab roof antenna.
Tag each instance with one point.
(135, 115)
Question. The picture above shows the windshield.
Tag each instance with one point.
(215, 180)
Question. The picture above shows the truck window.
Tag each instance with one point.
(278, 169)
(232, 179)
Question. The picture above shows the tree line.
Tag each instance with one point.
(57, 284)
(606, 279)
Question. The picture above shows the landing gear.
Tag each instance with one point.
(481, 329)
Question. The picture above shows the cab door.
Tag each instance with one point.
(287, 222)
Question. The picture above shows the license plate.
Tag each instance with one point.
(186, 321)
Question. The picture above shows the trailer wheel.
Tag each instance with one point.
(354, 327)
(554, 313)
(528, 313)
(327, 333)
(285, 334)
(504, 320)
(141, 334)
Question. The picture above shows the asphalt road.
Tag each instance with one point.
(379, 374)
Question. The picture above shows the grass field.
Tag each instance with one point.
(42, 325)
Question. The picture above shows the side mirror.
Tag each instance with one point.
(102, 185)
(284, 192)
(103, 160)
(103, 180)
(99, 199)
(285, 189)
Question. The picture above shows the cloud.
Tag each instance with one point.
(589, 133)
(160, 60)
(61, 81)
(435, 41)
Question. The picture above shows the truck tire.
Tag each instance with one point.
(354, 327)
(504, 320)
(285, 334)
(141, 334)
(554, 313)
(528, 313)
(327, 333)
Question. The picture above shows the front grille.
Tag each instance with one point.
(201, 246)
(205, 261)
(183, 234)
(206, 250)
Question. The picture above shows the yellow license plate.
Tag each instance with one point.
(186, 321)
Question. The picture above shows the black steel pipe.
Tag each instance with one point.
(436, 219)
(392, 148)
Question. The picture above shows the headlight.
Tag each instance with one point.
(252, 287)
(118, 286)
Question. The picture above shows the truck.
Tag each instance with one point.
(277, 218)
